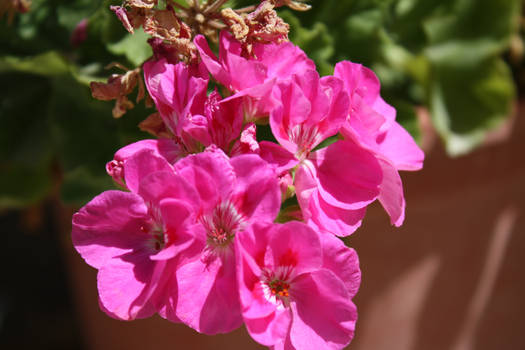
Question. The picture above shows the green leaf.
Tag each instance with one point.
(467, 32)
(465, 104)
(134, 46)
(72, 12)
(25, 141)
(46, 64)
(22, 185)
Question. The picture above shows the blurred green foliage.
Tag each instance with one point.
(445, 55)
(442, 54)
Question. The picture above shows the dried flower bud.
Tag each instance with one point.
(155, 126)
(260, 26)
(236, 23)
(266, 26)
(294, 5)
(131, 18)
(146, 4)
(165, 25)
(117, 88)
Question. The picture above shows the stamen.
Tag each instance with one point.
(279, 288)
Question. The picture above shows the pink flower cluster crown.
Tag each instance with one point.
(203, 232)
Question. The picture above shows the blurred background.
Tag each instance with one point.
(449, 278)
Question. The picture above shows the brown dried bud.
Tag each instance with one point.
(117, 88)
(266, 26)
(131, 18)
(164, 24)
(260, 26)
(294, 5)
(146, 4)
(236, 24)
(155, 126)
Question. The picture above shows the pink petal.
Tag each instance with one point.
(121, 284)
(256, 194)
(337, 110)
(358, 80)
(391, 196)
(264, 321)
(211, 62)
(340, 222)
(208, 297)
(296, 245)
(293, 110)
(308, 83)
(400, 149)
(160, 185)
(323, 315)
(386, 110)
(342, 261)
(277, 156)
(177, 90)
(271, 329)
(140, 165)
(178, 217)
(211, 174)
(348, 176)
(305, 185)
(109, 226)
(283, 60)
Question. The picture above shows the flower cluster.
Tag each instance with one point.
(216, 228)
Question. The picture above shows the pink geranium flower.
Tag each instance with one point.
(371, 121)
(296, 287)
(252, 78)
(372, 125)
(197, 120)
(134, 238)
(233, 194)
(333, 184)
(179, 92)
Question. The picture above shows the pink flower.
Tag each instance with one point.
(333, 184)
(233, 194)
(179, 92)
(371, 121)
(252, 78)
(198, 120)
(310, 110)
(134, 238)
(372, 125)
(296, 287)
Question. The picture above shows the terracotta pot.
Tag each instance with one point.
(450, 278)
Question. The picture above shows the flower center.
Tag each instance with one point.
(276, 285)
(279, 288)
(157, 239)
(221, 225)
(306, 138)
(155, 229)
